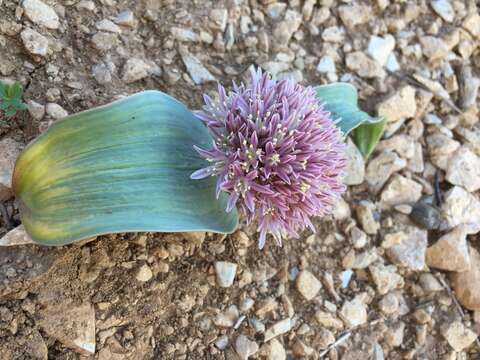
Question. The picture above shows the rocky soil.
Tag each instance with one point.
(394, 273)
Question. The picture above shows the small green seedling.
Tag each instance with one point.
(11, 99)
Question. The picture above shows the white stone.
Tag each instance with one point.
(198, 72)
(392, 63)
(34, 42)
(185, 35)
(462, 208)
(444, 9)
(36, 110)
(41, 14)
(17, 236)
(326, 65)
(109, 26)
(363, 65)
(56, 111)
(355, 170)
(463, 169)
(407, 248)
(381, 167)
(245, 347)
(458, 336)
(125, 18)
(354, 313)
(144, 274)
(10, 150)
(279, 328)
(385, 278)
(135, 69)
(225, 273)
(399, 106)
(307, 284)
(274, 350)
(380, 48)
(401, 190)
(365, 214)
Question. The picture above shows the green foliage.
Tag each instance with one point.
(11, 98)
(123, 167)
(341, 100)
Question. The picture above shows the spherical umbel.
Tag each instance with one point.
(276, 152)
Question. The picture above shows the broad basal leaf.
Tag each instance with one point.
(123, 167)
(341, 100)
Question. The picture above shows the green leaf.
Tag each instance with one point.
(341, 100)
(367, 136)
(3, 90)
(10, 112)
(123, 167)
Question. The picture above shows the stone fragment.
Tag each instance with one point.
(358, 237)
(36, 110)
(355, 170)
(361, 260)
(225, 273)
(34, 42)
(401, 190)
(444, 9)
(307, 284)
(279, 328)
(72, 325)
(363, 65)
(409, 248)
(467, 284)
(403, 145)
(184, 35)
(458, 336)
(283, 31)
(464, 169)
(41, 14)
(334, 34)
(434, 48)
(125, 18)
(135, 69)
(399, 106)
(354, 313)
(380, 48)
(300, 349)
(10, 150)
(394, 334)
(429, 283)
(462, 208)
(385, 278)
(472, 24)
(274, 350)
(326, 65)
(328, 320)
(245, 347)
(355, 14)
(450, 252)
(108, 26)
(102, 74)
(104, 41)
(198, 72)
(144, 273)
(55, 111)
(381, 167)
(367, 218)
(17, 236)
(218, 19)
(389, 304)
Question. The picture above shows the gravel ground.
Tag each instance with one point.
(394, 273)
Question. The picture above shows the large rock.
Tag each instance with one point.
(401, 190)
(72, 325)
(17, 236)
(41, 14)
(399, 106)
(35, 43)
(307, 284)
(10, 149)
(450, 252)
(407, 248)
(464, 169)
(462, 208)
(355, 171)
(198, 72)
(467, 284)
(380, 169)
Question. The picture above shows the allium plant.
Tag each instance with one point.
(276, 152)
(276, 158)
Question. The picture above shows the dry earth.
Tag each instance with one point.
(381, 277)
